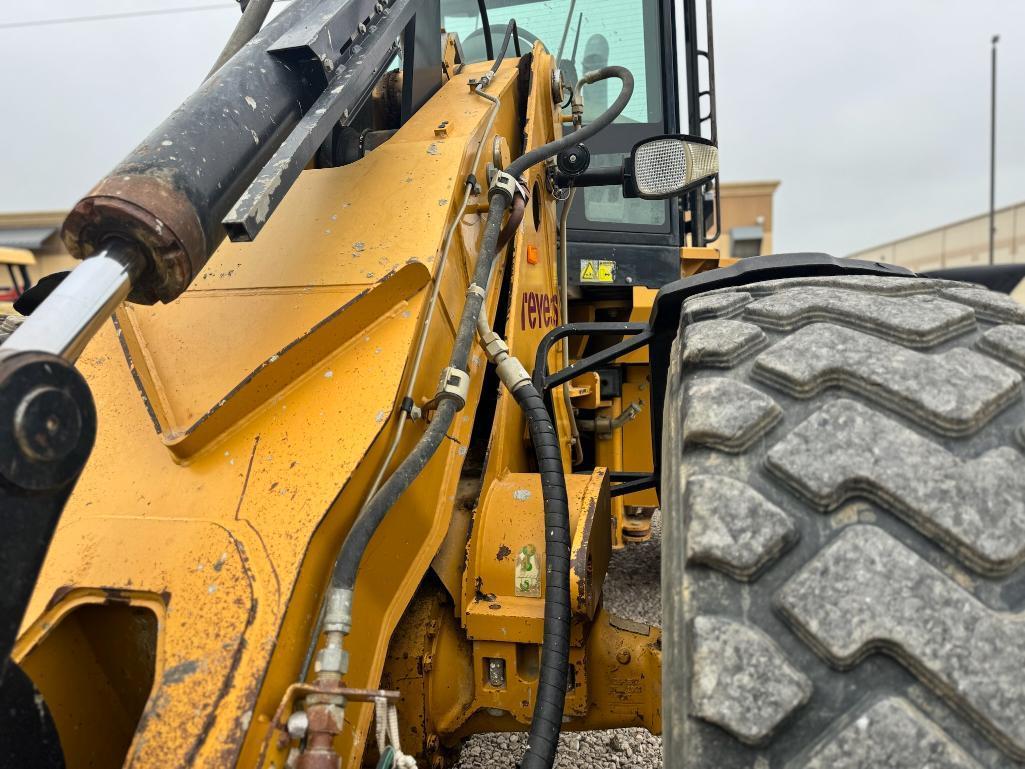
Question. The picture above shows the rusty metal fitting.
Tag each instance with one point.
(154, 215)
(325, 720)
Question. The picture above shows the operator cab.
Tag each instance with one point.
(618, 242)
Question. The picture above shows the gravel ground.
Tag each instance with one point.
(632, 591)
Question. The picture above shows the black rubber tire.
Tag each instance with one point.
(843, 567)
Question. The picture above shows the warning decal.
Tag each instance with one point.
(597, 271)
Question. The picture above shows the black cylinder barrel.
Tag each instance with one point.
(171, 193)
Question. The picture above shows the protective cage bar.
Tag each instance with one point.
(636, 335)
(661, 329)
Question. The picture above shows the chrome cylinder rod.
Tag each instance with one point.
(69, 317)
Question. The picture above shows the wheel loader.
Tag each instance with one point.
(395, 329)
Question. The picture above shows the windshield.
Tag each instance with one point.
(586, 35)
(590, 34)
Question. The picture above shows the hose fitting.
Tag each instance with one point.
(332, 660)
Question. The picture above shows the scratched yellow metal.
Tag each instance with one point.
(95, 669)
(240, 427)
(511, 517)
(447, 695)
(527, 321)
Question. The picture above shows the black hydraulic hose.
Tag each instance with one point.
(409, 469)
(489, 44)
(542, 153)
(511, 33)
(546, 723)
(355, 544)
(248, 25)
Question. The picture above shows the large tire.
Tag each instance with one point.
(844, 528)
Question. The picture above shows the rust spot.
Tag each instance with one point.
(114, 595)
(495, 606)
(179, 672)
(479, 594)
(503, 551)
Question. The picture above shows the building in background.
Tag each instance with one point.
(959, 244)
(746, 219)
(38, 232)
(746, 228)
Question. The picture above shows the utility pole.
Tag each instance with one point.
(993, 146)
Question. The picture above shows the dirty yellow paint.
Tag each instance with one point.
(240, 426)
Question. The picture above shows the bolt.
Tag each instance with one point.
(629, 280)
(298, 724)
(362, 28)
(623, 657)
(437, 763)
(378, 7)
(47, 424)
(496, 672)
(432, 743)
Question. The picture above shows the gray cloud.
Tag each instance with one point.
(873, 114)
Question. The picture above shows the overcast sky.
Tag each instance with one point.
(874, 114)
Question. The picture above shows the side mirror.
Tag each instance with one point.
(664, 166)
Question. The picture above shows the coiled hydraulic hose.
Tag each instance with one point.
(546, 720)
(546, 723)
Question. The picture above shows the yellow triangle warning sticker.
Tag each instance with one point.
(588, 270)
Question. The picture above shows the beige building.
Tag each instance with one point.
(746, 228)
(39, 232)
(746, 218)
(959, 244)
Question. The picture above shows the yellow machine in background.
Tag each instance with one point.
(16, 260)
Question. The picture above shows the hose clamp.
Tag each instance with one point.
(454, 385)
(509, 186)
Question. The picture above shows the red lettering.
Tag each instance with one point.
(538, 310)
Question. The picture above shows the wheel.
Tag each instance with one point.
(844, 527)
